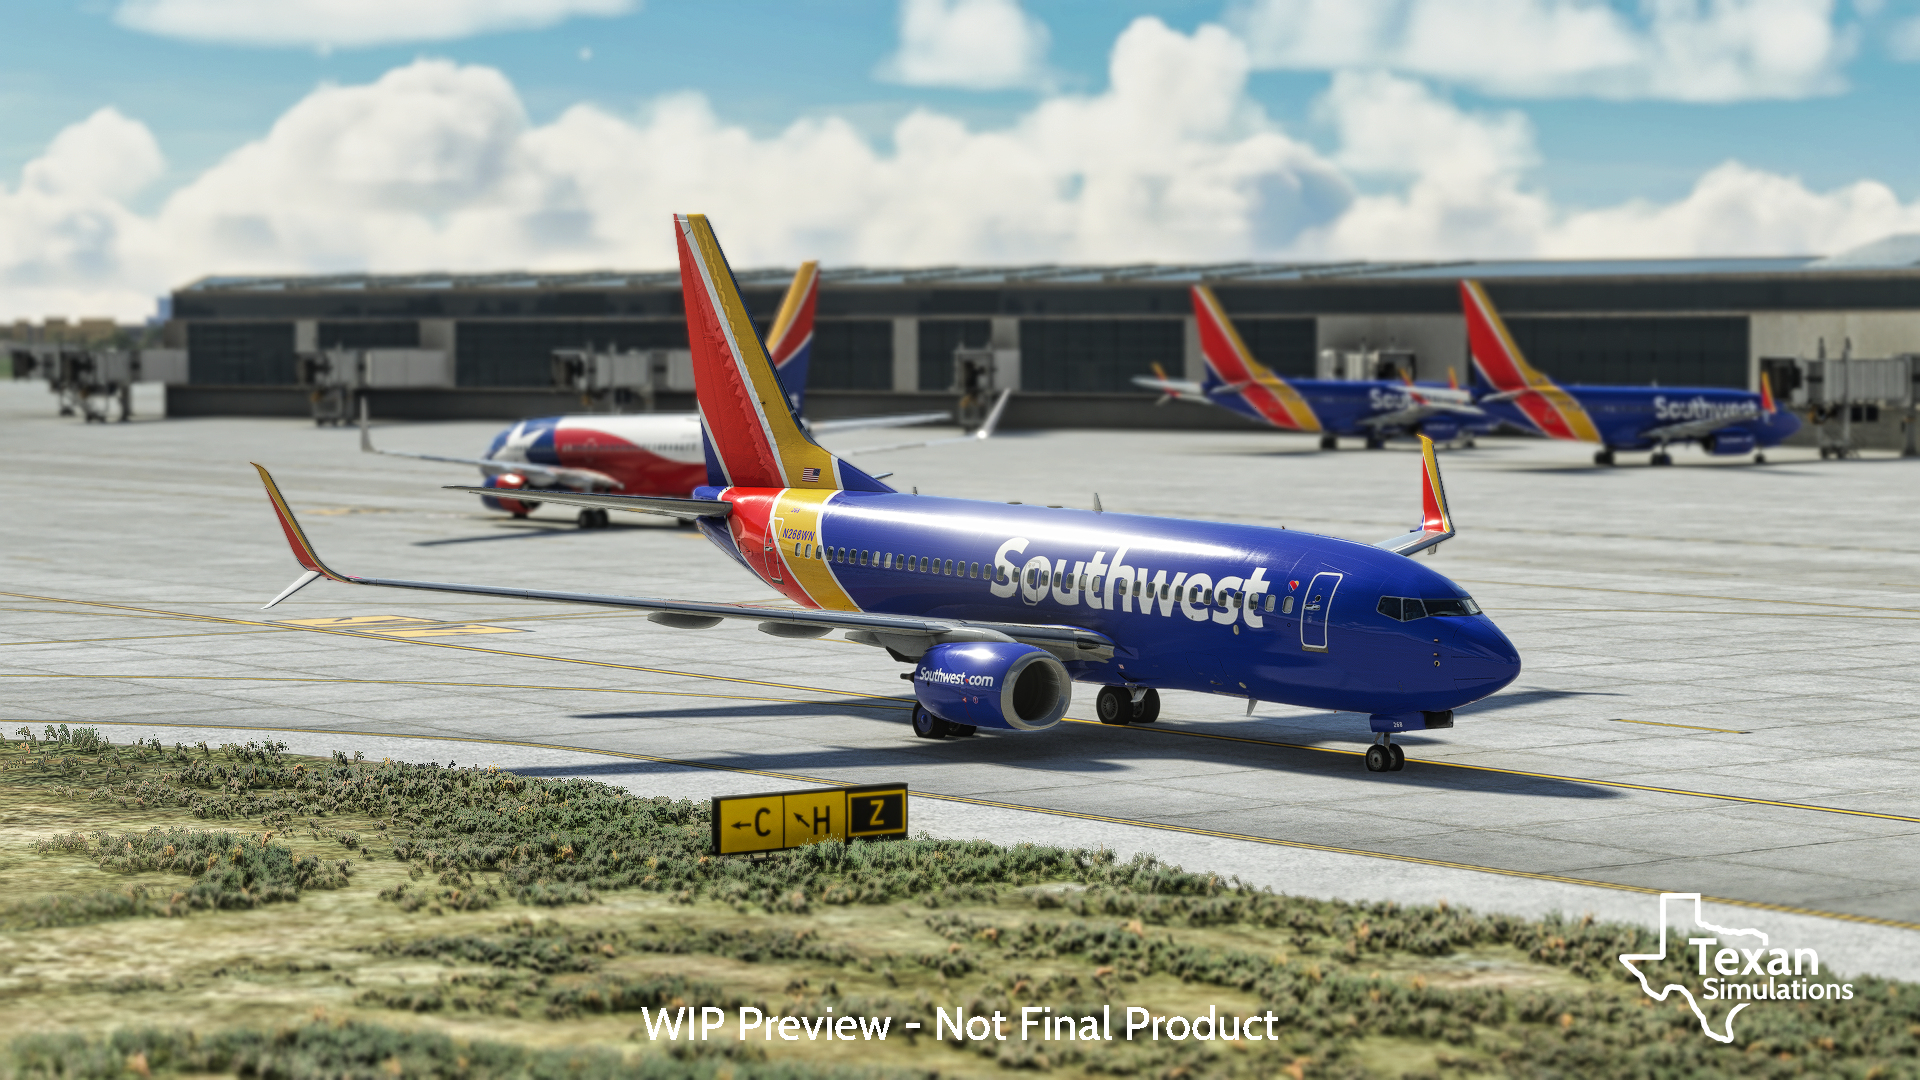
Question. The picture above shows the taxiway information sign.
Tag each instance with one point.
(745, 824)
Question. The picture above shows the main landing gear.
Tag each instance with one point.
(1127, 705)
(593, 518)
(1660, 457)
(1603, 457)
(928, 726)
(1384, 756)
(1329, 442)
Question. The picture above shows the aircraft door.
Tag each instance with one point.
(776, 528)
(1318, 607)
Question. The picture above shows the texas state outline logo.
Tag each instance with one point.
(1728, 973)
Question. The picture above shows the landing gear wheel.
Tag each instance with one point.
(928, 726)
(1375, 442)
(1114, 705)
(1329, 442)
(1603, 457)
(1149, 708)
(1399, 757)
(1759, 459)
(1661, 458)
(960, 731)
(1378, 760)
(592, 519)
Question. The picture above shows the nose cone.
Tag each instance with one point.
(1485, 661)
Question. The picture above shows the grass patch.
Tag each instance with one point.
(238, 910)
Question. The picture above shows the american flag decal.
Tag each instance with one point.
(809, 476)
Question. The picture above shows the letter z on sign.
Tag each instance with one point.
(746, 824)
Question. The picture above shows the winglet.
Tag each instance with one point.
(303, 552)
(1767, 406)
(1436, 522)
(993, 416)
(1453, 381)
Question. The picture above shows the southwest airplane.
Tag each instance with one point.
(1722, 421)
(1373, 409)
(998, 608)
(645, 453)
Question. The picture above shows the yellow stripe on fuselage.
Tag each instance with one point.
(801, 512)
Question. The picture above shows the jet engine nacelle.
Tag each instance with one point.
(508, 482)
(1731, 441)
(998, 684)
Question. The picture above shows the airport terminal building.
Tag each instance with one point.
(1064, 334)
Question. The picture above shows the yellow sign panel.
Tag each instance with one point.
(746, 824)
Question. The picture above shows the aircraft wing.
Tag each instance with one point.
(861, 423)
(689, 509)
(545, 476)
(1173, 389)
(904, 634)
(1694, 429)
(985, 432)
(1413, 414)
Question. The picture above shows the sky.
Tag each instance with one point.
(147, 143)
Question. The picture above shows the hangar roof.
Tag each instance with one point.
(1249, 273)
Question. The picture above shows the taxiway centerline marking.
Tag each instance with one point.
(338, 632)
(1520, 772)
(859, 704)
(899, 704)
(1690, 727)
(1189, 830)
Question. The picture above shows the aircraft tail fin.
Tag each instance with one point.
(1497, 359)
(1230, 364)
(790, 342)
(754, 436)
(1767, 406)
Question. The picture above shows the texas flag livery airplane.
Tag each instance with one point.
(1372, 409)
(644, 453)
(1722, 421)
(999, 607)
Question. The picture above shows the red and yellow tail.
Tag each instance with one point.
(755, 438)
(1767, 406)
(1228, 358)
(1555, 412)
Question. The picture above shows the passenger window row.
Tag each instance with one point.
(888, 560)
(1407, 609)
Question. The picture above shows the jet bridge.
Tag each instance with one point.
(1838, 393)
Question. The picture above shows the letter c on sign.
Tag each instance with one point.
(758, 814)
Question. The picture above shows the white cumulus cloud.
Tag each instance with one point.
(1677, 50)
(969, 44)
(436, 165)
(348, 23)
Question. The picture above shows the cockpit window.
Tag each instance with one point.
(1407, 609)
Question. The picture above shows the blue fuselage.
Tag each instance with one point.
(1242, 610)
(1626, 415)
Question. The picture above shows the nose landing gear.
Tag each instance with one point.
(1384, 756)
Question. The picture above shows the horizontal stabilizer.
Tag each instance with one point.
(639, 504)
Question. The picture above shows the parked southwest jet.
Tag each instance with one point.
(1722, 421)
(1373, 409)
(646, 453)
(999, 607)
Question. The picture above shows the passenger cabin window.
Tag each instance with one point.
(1270, 600)
(1286, 606)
